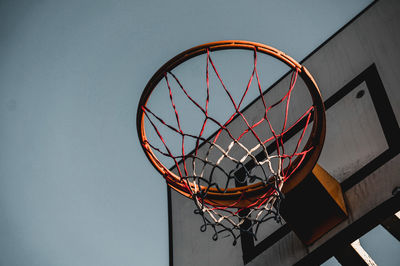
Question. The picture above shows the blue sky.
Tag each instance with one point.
(75, 186)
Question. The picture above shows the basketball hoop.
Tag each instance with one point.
(255, 197)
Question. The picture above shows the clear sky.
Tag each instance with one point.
(75, 186)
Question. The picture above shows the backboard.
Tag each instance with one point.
(358, 76)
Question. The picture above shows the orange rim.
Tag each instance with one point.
(240, 196)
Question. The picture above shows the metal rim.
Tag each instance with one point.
(247, 193)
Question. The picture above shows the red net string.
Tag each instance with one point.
(229, 218)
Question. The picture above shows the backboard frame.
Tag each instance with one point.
(371, 75)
